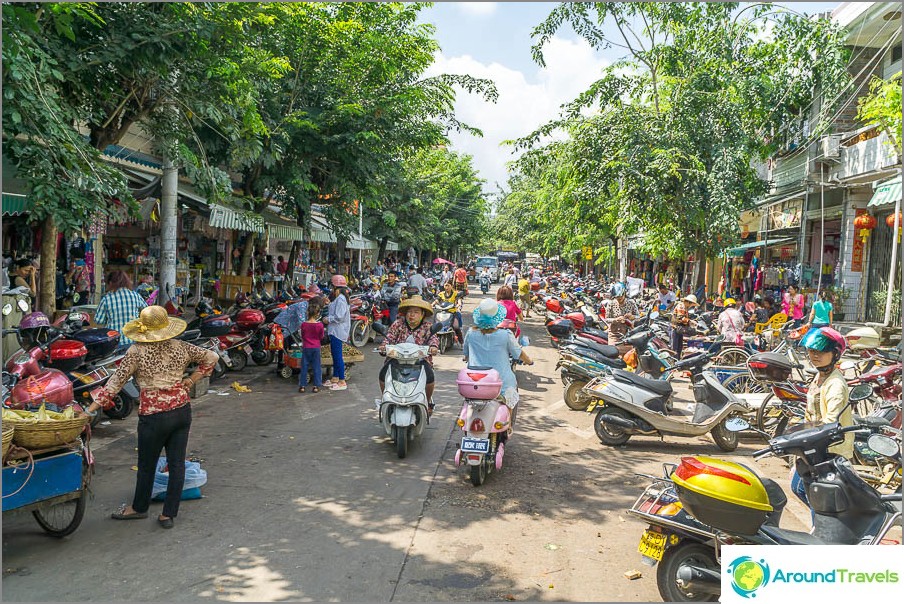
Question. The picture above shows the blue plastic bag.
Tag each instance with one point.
(195, 478)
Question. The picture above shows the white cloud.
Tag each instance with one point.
(479, 9)
(524, 104)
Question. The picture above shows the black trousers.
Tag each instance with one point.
(168, 429)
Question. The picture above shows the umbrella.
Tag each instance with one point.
(441, 261)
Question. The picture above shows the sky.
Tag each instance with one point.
(493, 40)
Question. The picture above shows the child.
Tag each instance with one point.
(311, 336)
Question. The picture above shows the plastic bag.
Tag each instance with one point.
(195, 478)
(276, 339)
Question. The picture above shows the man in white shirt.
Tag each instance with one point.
(666, 298)
(446, 276)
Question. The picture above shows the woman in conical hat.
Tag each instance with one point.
(158, 362)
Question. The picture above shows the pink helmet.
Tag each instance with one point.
(338, 281)
(34, 319)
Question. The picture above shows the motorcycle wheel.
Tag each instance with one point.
(575, 399)
(607, 433)
(724, 439)
(768, 416)
(360, 334)
(401, 439)
(219, 370)
(262, 357)
(674, 558)
(445, 343)
(479, 473)
(239, 359)
(122, 407)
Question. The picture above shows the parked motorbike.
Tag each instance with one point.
(738, 507)
(403, 406)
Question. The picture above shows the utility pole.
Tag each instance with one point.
(168, 218)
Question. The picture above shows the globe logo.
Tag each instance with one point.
(748, 575)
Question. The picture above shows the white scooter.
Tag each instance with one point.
(403, 406)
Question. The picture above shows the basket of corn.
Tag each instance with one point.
(350, 354)
(42, 429)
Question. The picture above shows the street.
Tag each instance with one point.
(307, 500)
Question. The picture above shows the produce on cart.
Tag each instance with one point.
(46, 467)
(350, 355)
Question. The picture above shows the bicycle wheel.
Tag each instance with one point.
(744, 383)
(731, 356)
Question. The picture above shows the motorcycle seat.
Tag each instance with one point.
(603, 349)
(661, 387)
(190, 334)
(697, 360)
(596, 332)
(593, 355)
(786, 537)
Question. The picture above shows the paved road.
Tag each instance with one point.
(306, 500)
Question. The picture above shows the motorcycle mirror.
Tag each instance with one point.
(23, 305)
(860, 392)
(736, 424)
(380, 328)
(883, 445)
(7, 308)
(436, 327)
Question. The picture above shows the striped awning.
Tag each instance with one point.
(320, 231)
(887, 192)
(15, 204)
(285, 232)
(239, 220)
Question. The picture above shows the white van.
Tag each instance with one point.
(492, 263)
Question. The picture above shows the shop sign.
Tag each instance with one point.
(857, 252)
(784, 215)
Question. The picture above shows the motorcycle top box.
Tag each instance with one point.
(67, 355)
(770, 367)
(98, 342)
(722, 494)
(249, 318)
(216, 325)
(577, 318)
(560, 328)
(553, 305)
(52, 387)
(481, 383)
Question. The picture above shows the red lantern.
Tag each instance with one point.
(890, 221)
(865, 223)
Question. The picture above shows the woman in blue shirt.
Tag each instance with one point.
(821, 314)
(487, 346)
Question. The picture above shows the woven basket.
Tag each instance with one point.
(8, 432)
(42, 435)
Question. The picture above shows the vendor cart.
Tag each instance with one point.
(292, 366)
(50, 483)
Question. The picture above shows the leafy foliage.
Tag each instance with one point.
(883, 106)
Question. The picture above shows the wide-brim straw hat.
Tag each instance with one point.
(416, 302)
(153, 325)
(489, 321)
(692, 299)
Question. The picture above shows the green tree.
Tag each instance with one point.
(675, 127)
(882, 106)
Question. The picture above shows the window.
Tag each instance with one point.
(896, 53)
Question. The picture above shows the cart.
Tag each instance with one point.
(52, 484)
(292, 358)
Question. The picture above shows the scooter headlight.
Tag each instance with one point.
(404, 388)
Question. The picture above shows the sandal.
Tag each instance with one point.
(166, 523)
(301, 389)
(121, 515)
(315, 389)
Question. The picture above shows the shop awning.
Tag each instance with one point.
(739, 251)
(357, 243)
(231, 218)
(887, 192)
(15, 204)
(320, 231)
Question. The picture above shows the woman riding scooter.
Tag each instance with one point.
(412, 324)
(457, 298)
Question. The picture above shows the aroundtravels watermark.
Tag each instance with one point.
(777, 573)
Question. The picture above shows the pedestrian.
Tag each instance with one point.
(460, 278)
(822, 313)
(510, 279)
(282, 267)
(793, 306)
(78, 280)
(24, 273)
(524, 295)
(682, 324)
(339, 321)
(311, 337)
(731, 323)
(158, 362)
(446, 275)
(391, 293)
(418, 281)
(119, 306)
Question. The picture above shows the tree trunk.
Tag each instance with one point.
(293, 258)
(247, 253)
(47, 299)
(381, 253)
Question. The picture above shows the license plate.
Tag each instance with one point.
(248, 349)
(475, 445)
(652, 545)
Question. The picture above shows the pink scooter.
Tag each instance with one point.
(485, 420)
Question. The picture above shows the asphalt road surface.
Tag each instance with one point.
(307, 500)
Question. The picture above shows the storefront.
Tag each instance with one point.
(881, 244)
